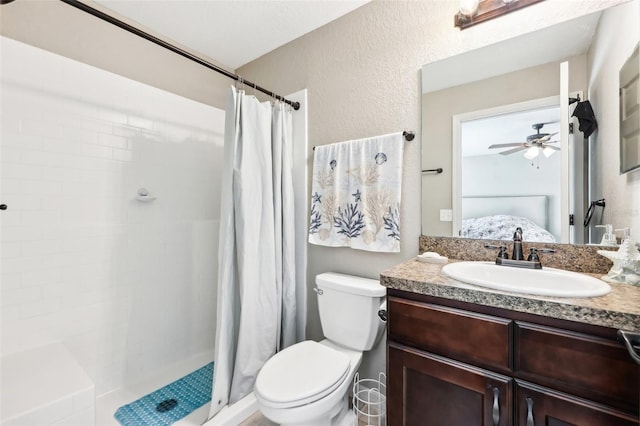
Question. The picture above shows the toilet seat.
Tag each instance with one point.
(301, 374)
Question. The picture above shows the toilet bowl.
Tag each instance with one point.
(308, 383)
(322, 397)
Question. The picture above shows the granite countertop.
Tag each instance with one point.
(620, 309)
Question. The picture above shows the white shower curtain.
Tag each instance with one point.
(256, 260)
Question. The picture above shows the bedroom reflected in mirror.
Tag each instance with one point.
(510, 171)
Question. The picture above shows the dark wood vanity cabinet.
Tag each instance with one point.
(454, 363)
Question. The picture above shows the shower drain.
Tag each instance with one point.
(166, 405)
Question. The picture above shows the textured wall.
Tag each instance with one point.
(363, 76)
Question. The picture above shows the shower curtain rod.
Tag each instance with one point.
(118, 23)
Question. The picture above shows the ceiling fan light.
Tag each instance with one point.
(548, 151)
(531, 153)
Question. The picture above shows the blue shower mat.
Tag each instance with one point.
(170, 403)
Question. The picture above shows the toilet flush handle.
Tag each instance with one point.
(382, 311)
(318, 290)
(382, 314)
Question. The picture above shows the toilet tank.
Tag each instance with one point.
(348, 307)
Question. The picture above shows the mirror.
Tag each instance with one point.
(508, 93)
(630, 113)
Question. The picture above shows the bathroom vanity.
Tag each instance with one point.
(462, 355)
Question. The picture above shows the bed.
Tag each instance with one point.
(497, 217)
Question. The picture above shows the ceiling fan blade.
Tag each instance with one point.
(546, 137)
(507, 145)
(514, 150)
(551, 147)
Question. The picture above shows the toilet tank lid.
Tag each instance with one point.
(350, 284)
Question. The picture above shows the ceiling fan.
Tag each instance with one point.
(536, 143)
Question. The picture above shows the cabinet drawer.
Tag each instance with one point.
(478, 339)
(583, 365)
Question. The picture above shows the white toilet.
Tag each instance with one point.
(308, 383)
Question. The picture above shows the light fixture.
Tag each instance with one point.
(534, 151)
(548, 151)
(473, 12)
(531, 153)
(469, 7)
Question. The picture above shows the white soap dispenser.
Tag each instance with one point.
(626, 262)
(608, 239)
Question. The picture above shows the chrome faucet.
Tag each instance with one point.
(517, 259)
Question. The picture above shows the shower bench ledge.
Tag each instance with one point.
(45, 386)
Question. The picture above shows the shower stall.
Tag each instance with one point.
(109, 239)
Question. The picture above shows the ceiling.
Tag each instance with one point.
(232, 32)
(514, 127)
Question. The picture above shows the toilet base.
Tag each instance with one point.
(339, 415)
(345, 417)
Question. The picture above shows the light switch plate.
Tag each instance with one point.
(446, 215)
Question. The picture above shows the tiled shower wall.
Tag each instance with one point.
(128, 287)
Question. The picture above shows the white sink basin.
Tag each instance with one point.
(542, 282)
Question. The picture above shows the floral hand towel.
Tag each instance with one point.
(355, 194)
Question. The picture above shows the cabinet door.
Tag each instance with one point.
(427, 389)
(538, 406)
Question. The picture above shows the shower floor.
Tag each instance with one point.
(107, 404)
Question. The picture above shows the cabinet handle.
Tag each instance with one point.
(529, 412)
(630, 339)
(3, 206)
(496, 407)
